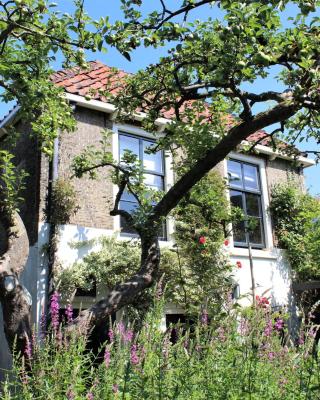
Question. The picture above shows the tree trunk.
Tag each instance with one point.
(123, 293)
(15, 299)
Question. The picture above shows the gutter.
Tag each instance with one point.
(112, 110)
(12, 116)
(305, 162)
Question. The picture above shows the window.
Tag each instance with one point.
(245, 193)
(153, 169)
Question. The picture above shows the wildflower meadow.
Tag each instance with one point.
(247, 355)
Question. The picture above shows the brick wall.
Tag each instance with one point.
(282, 171)
(94, 196)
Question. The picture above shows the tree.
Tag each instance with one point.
(198, 83)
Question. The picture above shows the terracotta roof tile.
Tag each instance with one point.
(98, 75)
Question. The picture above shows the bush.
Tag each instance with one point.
(242, 357)
(296, 218)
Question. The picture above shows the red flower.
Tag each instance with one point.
(202, 240)
(238, 264)
(263, 302)
(226, 242)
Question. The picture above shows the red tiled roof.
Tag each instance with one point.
(87, 82)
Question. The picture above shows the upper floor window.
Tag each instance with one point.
(153, 172)
(245, 193)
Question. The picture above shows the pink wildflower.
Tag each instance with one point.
(69, 313)
(54, 310)
(278, 326)
(90, 396)
(268, 328)
(134, 358)
(204, 317)
(202, 240)
(28, 349)
(115, 388)
(111, 335)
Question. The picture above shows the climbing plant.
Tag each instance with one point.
(195, 271)
(296, 219)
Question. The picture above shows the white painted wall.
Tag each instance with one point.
(271, 270)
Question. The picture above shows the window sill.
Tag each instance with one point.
(265, 253)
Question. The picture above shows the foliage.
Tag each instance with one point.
(244, 356)
(193, 273)
(11, 182)
(63, 202)
(296, 218)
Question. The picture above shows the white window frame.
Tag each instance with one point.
(168, 177)
(266, 219)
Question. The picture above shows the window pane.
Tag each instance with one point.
(239, 234)
(238, 229)
(253, 204)
(236, 199)
(127, 196)
(152, 162)
(153, 181)
(250, 173)
(255, 231)
(129, 207)
(128, 143)
(235, 174)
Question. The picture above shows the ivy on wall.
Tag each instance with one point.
(296, 219)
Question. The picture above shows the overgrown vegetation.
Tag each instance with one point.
(62, 203)
(243, 356)
(196, 271)
(296, 218)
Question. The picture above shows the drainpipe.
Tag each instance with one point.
(53, 176)
(253, 283)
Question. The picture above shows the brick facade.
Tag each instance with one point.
(95, 197)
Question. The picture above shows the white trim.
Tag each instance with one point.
(260, 149)
(111, 109)
(267, 226)
(10, 117)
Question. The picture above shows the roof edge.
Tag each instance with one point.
(13, 114)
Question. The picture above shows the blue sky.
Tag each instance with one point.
(142, 57)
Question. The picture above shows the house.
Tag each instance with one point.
(250, 180)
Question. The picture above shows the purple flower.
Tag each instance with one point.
(70, 395)
(204, 317)
(121, 328)
(271, 355)
(128, 336)
(69, 313)
(134, 358)
(90, 396)
(107, 357)
(28, 349)
(278, 326)
(268, 328)
(115, 388)
(54, 310)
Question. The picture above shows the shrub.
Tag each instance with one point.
(296, 218)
